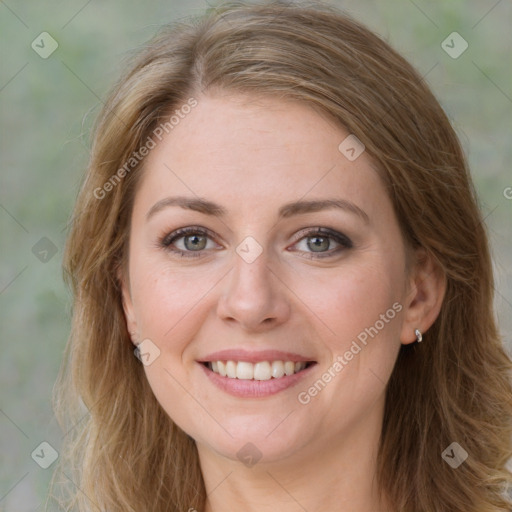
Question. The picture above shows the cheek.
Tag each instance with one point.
(166, 300)
(350, 299)
(170, 309)
(361, 310)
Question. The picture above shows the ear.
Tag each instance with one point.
(129, 313)
(427, 287)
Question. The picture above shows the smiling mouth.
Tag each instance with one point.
(262, 370)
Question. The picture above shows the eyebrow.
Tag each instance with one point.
(288, 210)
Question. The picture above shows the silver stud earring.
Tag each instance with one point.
(418, 334)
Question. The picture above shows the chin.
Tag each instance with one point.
(261, 440)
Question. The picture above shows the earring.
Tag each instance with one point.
(418, 334)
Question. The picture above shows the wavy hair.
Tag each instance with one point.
(121, 451)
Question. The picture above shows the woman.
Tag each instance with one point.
(279, 222)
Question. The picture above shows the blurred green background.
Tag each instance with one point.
(47, 106)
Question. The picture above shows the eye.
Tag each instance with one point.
(188, 242)
(318, 241)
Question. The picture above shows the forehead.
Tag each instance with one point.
(244, 148)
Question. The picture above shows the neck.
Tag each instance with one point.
(337, 473)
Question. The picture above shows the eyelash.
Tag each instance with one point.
(167, 241)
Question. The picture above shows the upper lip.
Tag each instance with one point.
(253, 356)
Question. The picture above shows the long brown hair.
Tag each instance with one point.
(121, 450)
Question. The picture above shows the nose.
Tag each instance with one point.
(254, 297)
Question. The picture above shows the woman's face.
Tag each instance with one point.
(265, 275)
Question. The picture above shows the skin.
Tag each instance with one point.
(252, 156)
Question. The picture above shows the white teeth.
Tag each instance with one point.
(221, 367)
(263, 370)
(244, 370)
(289, 368)
(231, 369)
(277, 369)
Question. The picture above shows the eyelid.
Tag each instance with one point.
(341, 239)
(186, 231)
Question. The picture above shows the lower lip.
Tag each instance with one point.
(245, 388)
